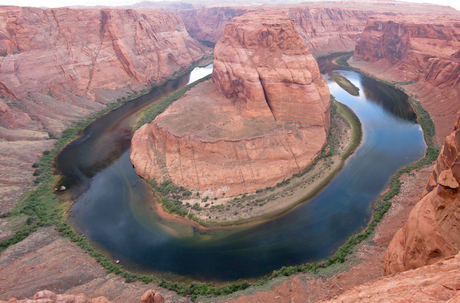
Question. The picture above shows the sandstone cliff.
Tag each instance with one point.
(434, 283)
(263, 65)
(264, 117)
(46, 296)
(432, 231)
(421, 55)
(61, 51)
(58, 66)
(325, 27)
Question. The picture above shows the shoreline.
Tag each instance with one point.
(267, 204)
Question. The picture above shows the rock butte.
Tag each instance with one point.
(432, 231)
(264, 117)
(58, 66)
(422, 54)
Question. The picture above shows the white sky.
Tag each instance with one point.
(60, 3)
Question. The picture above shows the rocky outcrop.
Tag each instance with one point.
(264, 117)
(422, 55)
(325, 28)
(433, 283)
(432, 231)
(262, 64)
(58, 66)
(57, 51)
(208, 24)
(46, 296)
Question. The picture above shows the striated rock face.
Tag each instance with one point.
(432, 231)
(327, 30)
(64, 50)
(325, 27)
(208, 24)
(269, 73)
(433, 283)
(59, 66)
(422, 54)
(46, 296)
(322, 29)
(264, 117)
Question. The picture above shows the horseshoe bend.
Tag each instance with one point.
(263, 118)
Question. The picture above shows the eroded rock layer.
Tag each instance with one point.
(325, 27)
(420, 54)
(263, 65)
(56, 51)
(264, 117)
(59, 66)
(432, 231)
(433, 283)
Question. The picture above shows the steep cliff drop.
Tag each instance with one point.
(264, 117)
(58, 66)
(432, 231)
(421, 56)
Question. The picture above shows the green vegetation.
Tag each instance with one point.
(150, 113)
(345, 84)
(42, 208)
(343, 60)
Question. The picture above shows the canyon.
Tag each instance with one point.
(82, 60)
(265, 115)
(59, 66)
(420, 55)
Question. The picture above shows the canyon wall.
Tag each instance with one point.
(58, 66)
(323, 30)
(264, 117)
(421, 56)
(62, 51)
(432, 231)
(263, 65)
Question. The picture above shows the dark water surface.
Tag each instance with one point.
(113, 205)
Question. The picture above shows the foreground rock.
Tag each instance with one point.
(58, 66)
(432, 231)
(46, 261)
(46, 296)
(402, 50)
(434, 283)
(264, 117)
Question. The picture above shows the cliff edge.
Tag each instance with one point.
(264, 117)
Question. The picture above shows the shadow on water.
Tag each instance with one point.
(115, 208)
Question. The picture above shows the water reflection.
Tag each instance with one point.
(116, 210)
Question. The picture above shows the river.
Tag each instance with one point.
(113, 206)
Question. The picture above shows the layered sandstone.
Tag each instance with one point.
(434, 283)
(264, 117)
(432, 231)
(57, 51)
(325, 27)
(263, 65)
(46, 296)
(58, 66)
(420, 54)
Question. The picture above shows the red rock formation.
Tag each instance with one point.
(422, 54)
(432, 231)
(206, 141)
(434, 283)
(325, 27)
(208, 24)
(58, 66)
(75, 50)
(264, 65)
(46, 296)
